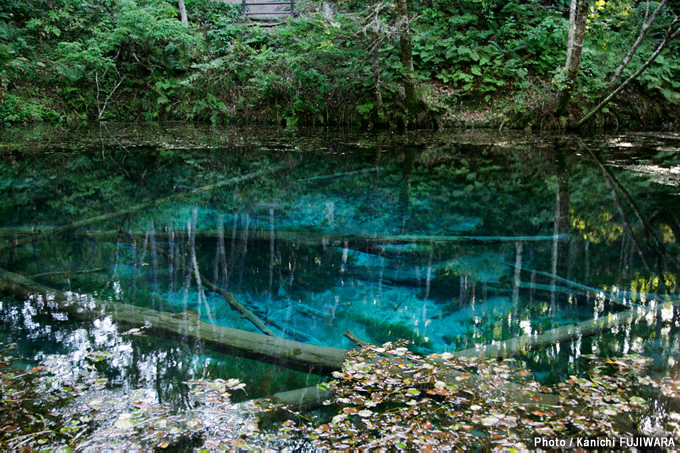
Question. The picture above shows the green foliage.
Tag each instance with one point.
(133, 59)
(211, 16)
(16, 109)
(484, 51)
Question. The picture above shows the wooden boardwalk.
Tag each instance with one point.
(266, 9)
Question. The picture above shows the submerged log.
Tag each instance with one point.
(182, 326)
(563, 334)
(302, 399)
(292, 354)
(69, 273)
(328, 239)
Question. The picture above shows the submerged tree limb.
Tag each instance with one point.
(239, 307)
(619, 298)
(226, 295)
(302, 399)
(70, 272)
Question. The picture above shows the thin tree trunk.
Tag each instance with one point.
(406, 53)
(670, 35)
(643, 33)
(378, 85)
(183, 12)
(574, 56)
(573, 7)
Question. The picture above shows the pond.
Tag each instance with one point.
(450, 239)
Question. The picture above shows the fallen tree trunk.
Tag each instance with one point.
(329, 239)
(295, 355)
(183, 326)
(188, 328)
(563, 334)
(292, 354)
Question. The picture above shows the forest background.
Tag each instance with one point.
(487, 63)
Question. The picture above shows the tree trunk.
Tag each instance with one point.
(573, 7)
(378, 85)
(183, 12)
(573, 61)
(406, 53)
(643, 33)
(670, 35)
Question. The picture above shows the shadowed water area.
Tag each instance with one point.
(450, 239)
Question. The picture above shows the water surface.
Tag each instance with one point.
(448, 239)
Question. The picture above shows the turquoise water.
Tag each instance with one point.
(448, 239)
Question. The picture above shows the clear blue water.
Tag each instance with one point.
(449, 239)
